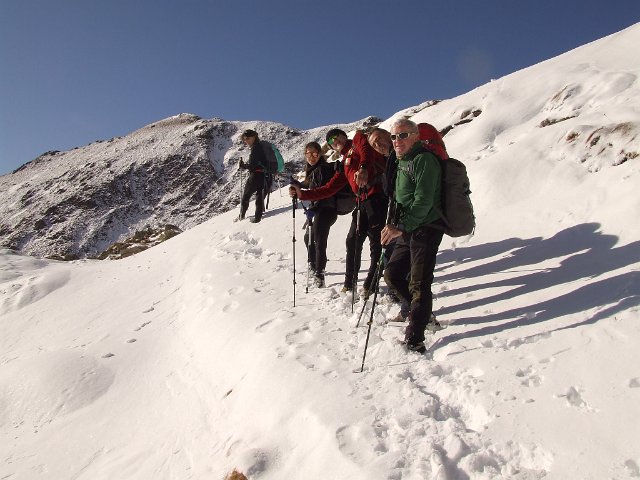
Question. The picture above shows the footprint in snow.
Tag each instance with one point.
(574, 399)
(517, 342)
(632, 468)
(230, 307)
(272, 322)
(360, 443)
(266, 326)
(315, 363)
(529, 377)
(234, 291)
(299, 336)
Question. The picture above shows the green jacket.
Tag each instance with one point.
(418, 188)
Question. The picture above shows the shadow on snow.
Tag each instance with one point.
(589, 254)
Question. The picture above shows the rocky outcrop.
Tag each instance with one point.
(180, 171)
(140, 241)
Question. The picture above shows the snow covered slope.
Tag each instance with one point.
(189, 359)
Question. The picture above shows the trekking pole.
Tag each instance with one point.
(265, 191)
(240, 185)
(308, 253)
(393, 213)
(294, 204)
(373, 307)
(376, 284)
(355, 251)
(307, 226)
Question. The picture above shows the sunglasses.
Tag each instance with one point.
(401, 136)
(330, 140)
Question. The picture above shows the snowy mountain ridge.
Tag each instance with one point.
(181, 170)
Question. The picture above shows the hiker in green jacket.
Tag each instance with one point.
(419, 231)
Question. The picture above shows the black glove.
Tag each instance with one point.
(293, 181)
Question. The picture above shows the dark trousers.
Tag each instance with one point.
(323, 219)
(372, 215)
(255, 184)
(414, 256)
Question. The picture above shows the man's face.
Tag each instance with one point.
(402, 139)
(249, 141)
(381, 142)
(337, 142)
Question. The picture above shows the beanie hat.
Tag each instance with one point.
(249, 133)
(333, 132)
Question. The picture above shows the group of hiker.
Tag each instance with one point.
(395, 183)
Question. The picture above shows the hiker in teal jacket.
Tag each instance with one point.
(418, 232)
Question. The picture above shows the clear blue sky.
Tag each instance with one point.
(76, 71)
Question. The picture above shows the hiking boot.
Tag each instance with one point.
(415, 347)
(319, 280)
(254, 219)
(239, 218)
(346, 289)
(433, 325)
(394, 297)
(400, 318)
(365, 293)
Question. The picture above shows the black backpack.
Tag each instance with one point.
(457, 209)
(345, 199)
(457, 213)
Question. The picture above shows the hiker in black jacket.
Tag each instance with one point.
(380, 140)
(322, 214)
(256, 183)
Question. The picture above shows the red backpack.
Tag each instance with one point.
(432, 139)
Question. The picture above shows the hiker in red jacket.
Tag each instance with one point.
(368, 218)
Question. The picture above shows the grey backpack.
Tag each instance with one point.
(457, 209)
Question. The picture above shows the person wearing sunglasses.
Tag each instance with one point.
(357, 156)
(418, 233)
(380, 140)
(322, 214)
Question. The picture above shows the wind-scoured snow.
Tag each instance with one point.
(190, 359)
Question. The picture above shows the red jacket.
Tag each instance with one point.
(356, 152)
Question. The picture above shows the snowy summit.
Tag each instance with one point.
(190, 359)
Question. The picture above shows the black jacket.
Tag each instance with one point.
(257, 158)
(390, 174)
(317, 176)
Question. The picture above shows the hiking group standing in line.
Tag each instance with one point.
(399, 171)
